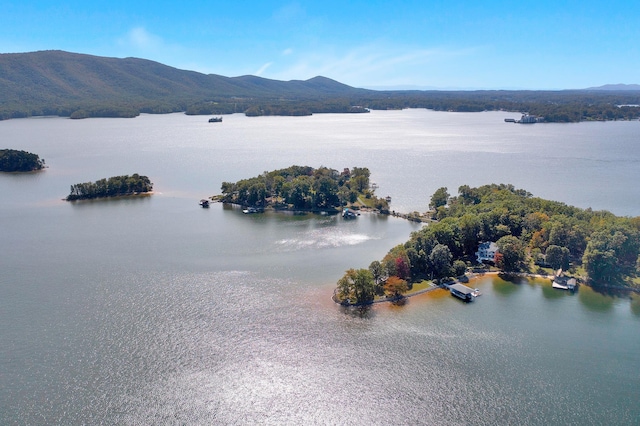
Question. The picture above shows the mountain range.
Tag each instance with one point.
(55, 82)
(57, 79)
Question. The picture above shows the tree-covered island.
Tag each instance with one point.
(304, 188)
(112, 187)
(532, 235)
(12, 160)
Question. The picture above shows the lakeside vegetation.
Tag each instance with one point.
(305, 188)
(531, 234)
(12, 160)
(112, 187)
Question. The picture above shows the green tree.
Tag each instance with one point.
(377, 271)
(459, 267)
(470, 227)
(557, 257)
(356, 287)
(360, 178)
(611, 253)
(512, 253)
(326, 192)
(468, 195)
(440, 260)
(440, 198)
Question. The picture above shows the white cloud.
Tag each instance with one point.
(376, 64)
(140, 38)
(263, 69)
(287, 52)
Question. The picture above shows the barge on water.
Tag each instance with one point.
(463, 292)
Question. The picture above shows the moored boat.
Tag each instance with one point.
(349, 214)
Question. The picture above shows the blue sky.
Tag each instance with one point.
(450, 44)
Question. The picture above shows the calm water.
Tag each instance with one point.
(153, 310)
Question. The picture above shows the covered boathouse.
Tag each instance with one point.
(462, 291)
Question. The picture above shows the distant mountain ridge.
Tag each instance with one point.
(70, 81)
(76, 85)
(616, 87)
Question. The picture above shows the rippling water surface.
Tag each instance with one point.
(153, 310)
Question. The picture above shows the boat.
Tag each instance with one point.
(215, 120)
(349, 214)
(251, 210)
(204, 203)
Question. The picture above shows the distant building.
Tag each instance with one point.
(487, 252)
(529, 119)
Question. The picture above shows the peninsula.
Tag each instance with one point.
(12, 160)
(501, 228)
(112, 187)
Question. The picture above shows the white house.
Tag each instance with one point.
(486, 251)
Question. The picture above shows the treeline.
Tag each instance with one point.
(100, 109)
(257, 108)
(12, 160)
(111, 187)
(529, 231)
(303, 188)
(557, 107)
(554, 106)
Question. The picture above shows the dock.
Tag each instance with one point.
(463, 292)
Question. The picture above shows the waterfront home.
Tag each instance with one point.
(487, 252)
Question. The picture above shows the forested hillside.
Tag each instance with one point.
(79, 86)
(63, 83)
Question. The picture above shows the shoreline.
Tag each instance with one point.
(476, 276)
(114, 197)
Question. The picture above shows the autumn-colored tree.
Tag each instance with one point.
(395, 287)
(402, 267)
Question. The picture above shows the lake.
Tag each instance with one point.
(153, 310)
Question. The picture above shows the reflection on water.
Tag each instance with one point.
(504, 287)
(553, 293)
(635, 304)
(594, 301)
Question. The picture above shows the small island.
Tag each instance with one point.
(115, 186)
(12, 160)
(303, 188)
(501, 229)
